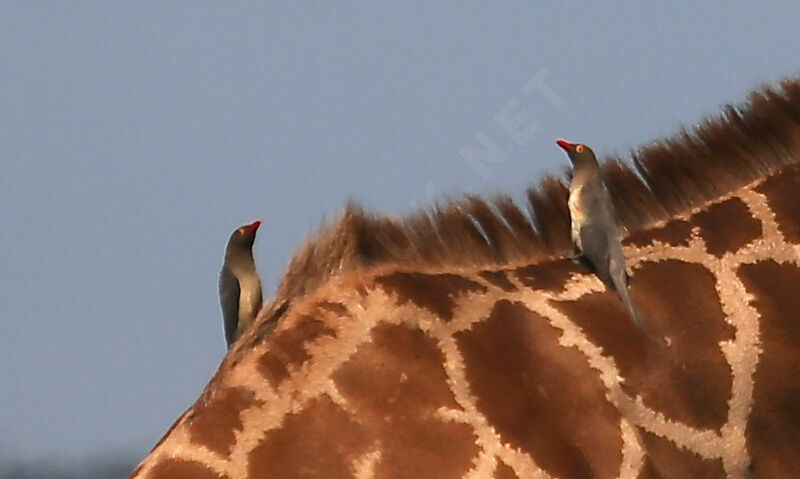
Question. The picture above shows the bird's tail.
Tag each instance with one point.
(625, 294)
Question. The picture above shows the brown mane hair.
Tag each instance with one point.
(669, 177)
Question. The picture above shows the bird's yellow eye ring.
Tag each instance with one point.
(579, 148)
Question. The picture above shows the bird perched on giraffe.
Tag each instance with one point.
(239, 284)
(594, 223)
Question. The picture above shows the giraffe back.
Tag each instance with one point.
(460, 343)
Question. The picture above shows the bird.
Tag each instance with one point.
(239, 283)
(594, 224)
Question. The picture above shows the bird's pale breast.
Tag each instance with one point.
(249, 296)
(576, 213)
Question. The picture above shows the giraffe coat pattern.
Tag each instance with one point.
(501, 359)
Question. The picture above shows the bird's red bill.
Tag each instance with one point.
(564, 144)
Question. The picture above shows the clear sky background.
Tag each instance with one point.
(134, 137)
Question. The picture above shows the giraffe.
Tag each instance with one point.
(461, 342)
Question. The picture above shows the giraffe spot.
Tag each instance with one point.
(781, 192)
(727, 226)
(675, 233)
(214, 418)
(504, 472)
(689, 379)
(499, 279)
(540, 396)
(401, 368)
(773, 431)
(322, 440)
(182, 469)
(288, 348)
(434, 292)
(264, 328)
(666, 460)
(548, 276)
(396, 383)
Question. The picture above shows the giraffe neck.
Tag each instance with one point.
(497, 373)
(518, 363)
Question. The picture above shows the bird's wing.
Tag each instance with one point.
(229, 302)
(606, 204)
(595, 247)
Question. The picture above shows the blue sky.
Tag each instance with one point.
(135, 136)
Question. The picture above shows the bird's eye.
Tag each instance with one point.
(579, 148)
(240, 231)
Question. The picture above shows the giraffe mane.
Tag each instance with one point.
(668, 177)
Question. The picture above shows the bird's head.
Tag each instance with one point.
(244, 236)
(579, 154)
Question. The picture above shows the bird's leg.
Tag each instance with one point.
(577, 257)
(580, 259)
